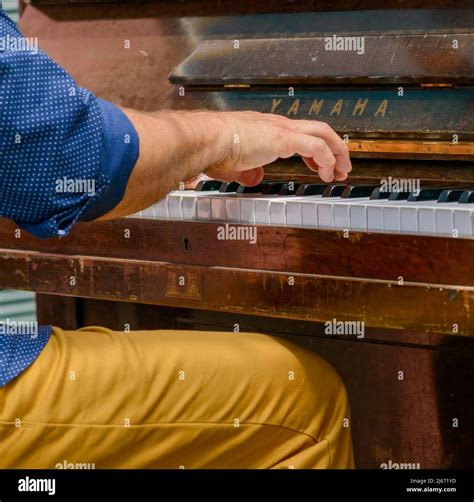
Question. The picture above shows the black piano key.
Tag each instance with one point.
(398, 195)
(208, 185)
(334, 190)
(379, 193)
(425, 194)
(289, 188)
(357, 191)
(229, 187)
(310, 189)
(256, 189)
(272, 187)
(451, 195)
(467, 197)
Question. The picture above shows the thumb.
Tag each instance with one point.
(251, 177)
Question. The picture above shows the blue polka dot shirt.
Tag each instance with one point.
(65, 156)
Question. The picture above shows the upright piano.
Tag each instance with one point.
(395, 78)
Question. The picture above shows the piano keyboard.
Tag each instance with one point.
(362, 208)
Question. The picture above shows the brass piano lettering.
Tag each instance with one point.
(316, 107)
(275, 104)
(337, 107)
(293, 110)
(359, 107)
(382, 108)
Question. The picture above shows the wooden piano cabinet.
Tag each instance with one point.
(410, 378)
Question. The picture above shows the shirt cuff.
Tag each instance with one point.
(119, 155)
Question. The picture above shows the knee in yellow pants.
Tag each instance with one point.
(170, 399)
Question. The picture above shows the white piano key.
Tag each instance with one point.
(325, 214)
(211, 204)
(203, 208)
(463, 222)
(409, 219)
(161, 209)
(302, 211)
(309, 214)
(444, 221)
(232, 209)
(426, 220)
(334, 212)
(247, 210)
(359, 214)
(293, 213)
(358, 217)
(391, 218)
(174, 207)
(218, 208)
(188, 208)
(341, 216)
(148, 213)
(278, 211)
(380, 215)
(262, 211)
(375, 218)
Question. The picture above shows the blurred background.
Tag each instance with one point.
(11, 8)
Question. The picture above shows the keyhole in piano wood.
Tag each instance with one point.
(186, 244)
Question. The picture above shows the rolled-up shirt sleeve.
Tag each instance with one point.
(65, 154)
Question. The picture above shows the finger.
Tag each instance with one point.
(251, 177)
(340, 176)
(222, 175)
(326, 174)
(193, 182)
(314, 167)
(324, 131)
(309, 161)
(310, 146)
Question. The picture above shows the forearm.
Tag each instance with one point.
(174, 147)
(228, 146)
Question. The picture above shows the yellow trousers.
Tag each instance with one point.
(174, 399)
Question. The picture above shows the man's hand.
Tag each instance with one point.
(228, 146)
(258, 139)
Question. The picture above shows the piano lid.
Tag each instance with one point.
(332, 60)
